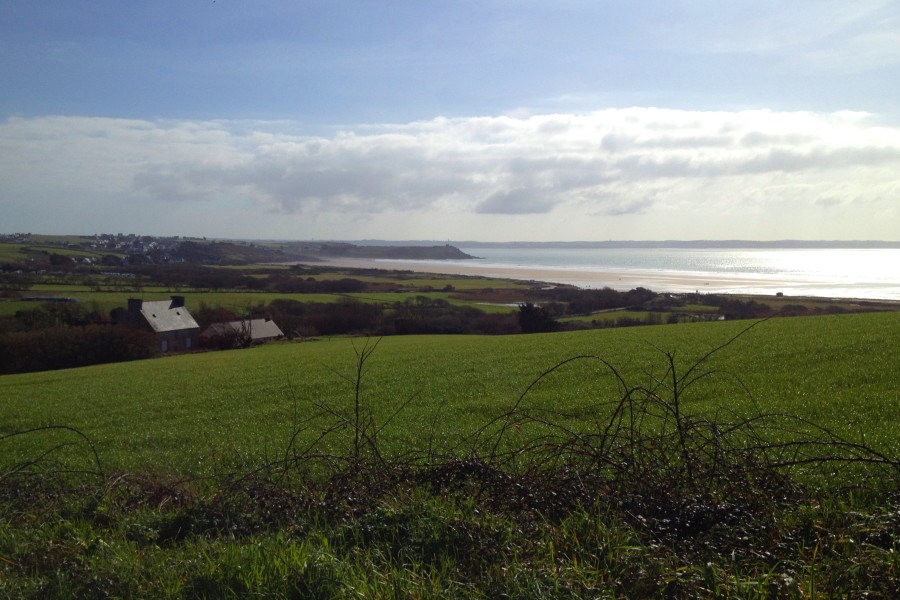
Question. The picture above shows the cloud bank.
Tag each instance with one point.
(653, 166)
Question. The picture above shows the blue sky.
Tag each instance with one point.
(491, 120)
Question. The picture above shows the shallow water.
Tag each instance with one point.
(839, 273)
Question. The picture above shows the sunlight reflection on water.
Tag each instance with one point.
(840, 273)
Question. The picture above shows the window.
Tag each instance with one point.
(165, 345)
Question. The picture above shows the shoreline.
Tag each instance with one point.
(685, 282)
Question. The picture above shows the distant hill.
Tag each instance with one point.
(348, 250)
(45, 251)
(227, 252)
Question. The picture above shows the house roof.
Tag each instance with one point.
(166, 315)
(259, 329)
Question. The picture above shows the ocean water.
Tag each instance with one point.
(838, 273)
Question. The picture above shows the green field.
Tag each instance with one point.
(19, 253)
(198, 496)
(197, 414)
(610, 316)
(424, 280)
(11, 253)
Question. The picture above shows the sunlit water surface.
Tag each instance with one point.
(839, 273)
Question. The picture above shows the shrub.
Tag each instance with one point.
(536, 319)
(64, 348)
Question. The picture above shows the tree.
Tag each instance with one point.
(536, 319)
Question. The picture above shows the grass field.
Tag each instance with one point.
(197, 498)
(15, 253)
(11, 253)
(424, 280)
(196, 414)
(611, 316)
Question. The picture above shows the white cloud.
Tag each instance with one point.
(659, 165)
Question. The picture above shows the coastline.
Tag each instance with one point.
(683, 282)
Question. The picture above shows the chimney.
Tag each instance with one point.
(177, 302)
(134, 305)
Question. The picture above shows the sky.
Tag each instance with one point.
(489, 120)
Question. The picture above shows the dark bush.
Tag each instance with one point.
(316, 318)
(574, 301)
(63, 348)
(536, 319)
(207, 315)
(298, 285)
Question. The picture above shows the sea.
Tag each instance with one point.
(865, 273)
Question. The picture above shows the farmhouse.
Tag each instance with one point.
(175, 328)
(253, 331)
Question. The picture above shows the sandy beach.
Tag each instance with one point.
(667, 282)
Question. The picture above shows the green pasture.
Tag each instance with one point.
(50, 289)
(439, 282)
(58, 239)
(199, 414)
(414, 279)
(466, 283)
(388, 297)
(62, 250)
(611, 316)
(698, 308)
(425, 280)
(12, 253)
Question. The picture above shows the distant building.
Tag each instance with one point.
(175, 328)
(250, 331)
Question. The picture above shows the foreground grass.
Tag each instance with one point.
(243, 473)
(254, 542)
